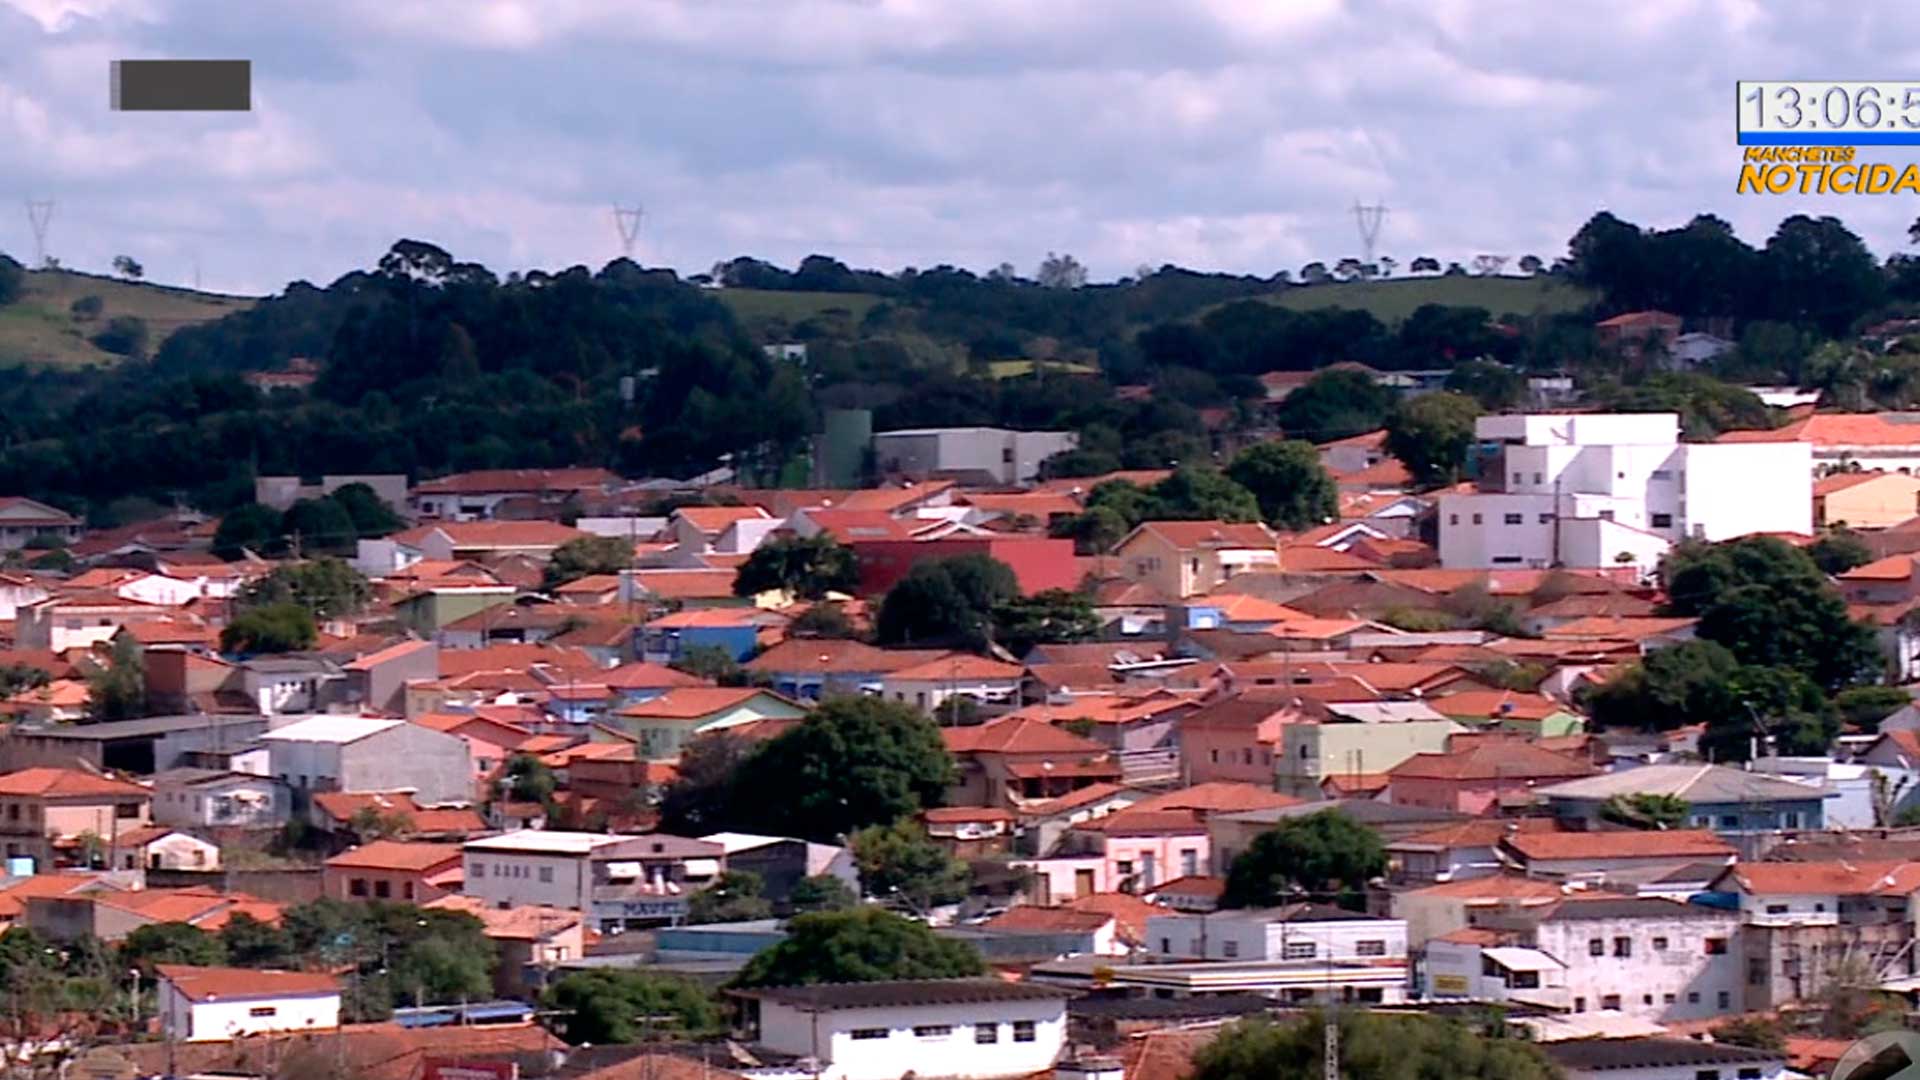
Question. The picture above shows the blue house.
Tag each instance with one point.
(1729, 801)
(733, 630)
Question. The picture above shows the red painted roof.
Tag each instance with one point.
(54, 783)
(217, 983)
(1624, 844)
(1017, 735)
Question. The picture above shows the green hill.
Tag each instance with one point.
(41, 328)
(755, 305)
(1393, 300)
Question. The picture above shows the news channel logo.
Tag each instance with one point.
(1889, 1055)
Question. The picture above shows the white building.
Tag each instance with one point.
(1655, 959)
(217, 1004)
(1613, 489)
(356, 753)
(970, 1029)
(1005, 457)
(1301, 932)
(189, 798)
(618, 882)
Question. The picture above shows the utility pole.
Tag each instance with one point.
(1332, 1048)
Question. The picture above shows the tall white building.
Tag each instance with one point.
(1617, 489)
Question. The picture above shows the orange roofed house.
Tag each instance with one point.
(1010, 761)
(489, 493)
(1186, 558)
(213, 1004)
(45, 812)
(1489, 776)
(394, 870)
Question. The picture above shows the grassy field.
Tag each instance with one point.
(752, 305)
(39, 328)
(1014, 369)
(1392, 301)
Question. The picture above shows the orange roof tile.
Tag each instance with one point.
(1839, 877)
(1218, 796)
(52, 783)
(1623, 844)
(1618, 628)
(693, 702)
(404, 855)
(958, 666)
(217, 983)
(1839, 430)
(1017, 735)
(714, 519)
(1187, 535)
(685, 584)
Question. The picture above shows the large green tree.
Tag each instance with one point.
(809, 567)
(1334, 404)
(371, 515)
(946, 602)
(697, 801)
(735, 896)
(585, 555)
(318, 525)
(1432, 435)
(1293, 488)
(864, 945)
(171, 943)
(1373, 1046)
(852, 762)
(1326, 856)
(613, 1005)
(1051, 616)
(1770, 605)
(249, 527)
(326, 587)
(270, 628)
(901, 861)
(118, 691)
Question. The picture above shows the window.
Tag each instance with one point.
(1729, 821)
(1716, 946)
(1006, 455)
(1756, 971)
(1453, 519)
(1166, 945)
(1476, 519)
(1216, 756)
(1537, 478)
(1370, 947)
(1726, 999)
(1230, 949)
(406, 890)
(546, 875)
(1623, 946)
(1776, 909)
(263, 1010)
(357, 887)
(1666, 999)
(1663, 521)
(1579, 1004)
(1659, 944)
(1606, 515)
(1023, 1031)
(1516, 519)
(990, 1033)
(382, 890)
(1611, 1001)
(1706, 1074)
(861, 1034)
(1516, 479)
(932, 1031)
(1749, 1074)
(1123, 867)
(1693, 997)
(1297, 950)
(1646, 999)
(1596, 946)
(126, 810)
(1189, 862)
(1546, 519)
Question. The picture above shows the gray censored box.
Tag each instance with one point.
(182, 85)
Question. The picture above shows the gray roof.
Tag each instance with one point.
(828, 997)
(1694, 783)
(1590, 1055)
(187, 776)
(1632, 907)
(1364, 811)
(145, 728)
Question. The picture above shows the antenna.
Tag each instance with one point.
(626, 220)
(39, 216)
(1368, 220)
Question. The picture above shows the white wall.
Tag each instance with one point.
(219, 1021)
(1733, 489)
(1684, 970)
(512, 879)
(1249, 937)
(828, 1035)
(1777, 910)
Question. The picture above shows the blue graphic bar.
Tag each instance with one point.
(1830, 138)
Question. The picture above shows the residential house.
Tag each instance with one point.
(1807, 927)
(1038, 563)
(975, 1029)
(345, 815)
(640, 681)
(1865, 500)
(76, 620)
(1638, 333)
(1445, 907)
(1127, 722)
(450, 541)
(681, 588)
(970, 832)
(23, 520)
(158, 847)
(1187, 558)
(1054, 931)
(195, 798)
(809, 669)
(1235, 737)
(617, 882)
(1455, 852)
(218, 1004)
(1488, 776)
(1356, 738)
(489, 744)
(46, 813)
(784, 861)
(1532, 714)
(699, 528)
(662, 725)
(1697, 349)
(473, 496)
(378, 680)
(1012, 761)
(944, 682)
(532, 941)
(1298, 932)
(734, 631)
(281, 492)
(354, 753)
(1730, 801)
(1141, 848)
(1589, 856)
(397, 871)
(1584, 490)
(992, 455)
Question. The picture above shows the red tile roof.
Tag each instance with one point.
(954, 815)
(715, 519)
(1839, 429)
(955, 666)
(685, 584)
(1130, 913)
(1028, 918)
(218, 983)
(402, 855)
(646, 676)
(1849, 878)
(53, 783)
(693, 702)
(1496, 705)
(1892, 568)
(465, 535)
(1218, 797)
(1623, 844)
(1017, 735)
(1187, 535)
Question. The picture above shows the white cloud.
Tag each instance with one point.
(1216, 134)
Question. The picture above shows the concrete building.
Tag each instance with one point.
(1732, 802)
(23, 519)
(1865, 500)
(1805, 924)
(617, 882)
(281, 492)
(396, 871)
(208, 1004)
(1356, 738)
(970, 1029)
(44, 811)
(995, 455)
(1602, 1058)
(1179, 559)
(353, 753)
(783, 861)
(1300, 932)
(1610, 489)
(1842, 442)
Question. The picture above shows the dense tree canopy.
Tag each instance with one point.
(1286, 478)
(1373, 1046)
(900, 861)
(863, 945)
(946, 602)
(1431, 435)
(270, 628)
(808, 567)
(1325, 856)
(623, 1005)
(1770, 605)
(852, 762)
(326, 588)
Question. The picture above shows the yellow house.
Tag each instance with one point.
(1865, 500)
(1189, 558)
(662, 725)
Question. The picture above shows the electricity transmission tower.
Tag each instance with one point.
(39, 216)
(626, 221)
(1368, 219)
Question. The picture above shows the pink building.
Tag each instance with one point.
(1490, 776)
(1236, 737)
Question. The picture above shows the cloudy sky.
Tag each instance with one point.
(1224, 134)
